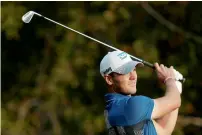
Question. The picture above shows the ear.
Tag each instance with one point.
(108, 79)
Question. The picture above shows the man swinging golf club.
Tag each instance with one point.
(133, 115)
(126, 114)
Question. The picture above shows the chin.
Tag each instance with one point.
(132, 91)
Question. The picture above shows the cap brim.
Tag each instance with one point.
(128, 67)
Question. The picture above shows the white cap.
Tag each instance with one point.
(119, 62)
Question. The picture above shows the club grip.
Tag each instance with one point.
(152, 66)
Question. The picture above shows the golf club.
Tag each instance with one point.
(29, 15)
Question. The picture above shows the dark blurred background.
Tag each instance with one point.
(51, 83)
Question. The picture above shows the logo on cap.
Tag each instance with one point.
(122, 55)
(107, 70)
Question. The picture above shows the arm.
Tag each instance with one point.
(169, 120)
(163, 106)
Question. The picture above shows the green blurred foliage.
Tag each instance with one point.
(50, 76)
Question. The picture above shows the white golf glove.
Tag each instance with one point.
(178, 76)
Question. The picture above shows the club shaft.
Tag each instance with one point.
(146, 63)
(133, 57)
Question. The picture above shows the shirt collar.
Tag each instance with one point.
(113, 96)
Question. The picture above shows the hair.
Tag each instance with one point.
(111, 74)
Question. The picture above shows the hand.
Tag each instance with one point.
(178, 76)
(164, 73)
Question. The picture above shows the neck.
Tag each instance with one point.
(111, 90)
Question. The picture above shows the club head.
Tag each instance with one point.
(28, 16)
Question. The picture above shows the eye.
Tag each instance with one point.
(113, 74)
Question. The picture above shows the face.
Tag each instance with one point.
(125, 84)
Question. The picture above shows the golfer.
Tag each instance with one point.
(127, 114)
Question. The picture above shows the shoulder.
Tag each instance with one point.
(138, 108)
(139, 104)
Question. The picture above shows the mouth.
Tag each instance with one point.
(133, 84)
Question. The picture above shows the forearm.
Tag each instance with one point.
(169, 102)
(172, 93)
(168, 121)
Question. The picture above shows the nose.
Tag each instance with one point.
(133, 75)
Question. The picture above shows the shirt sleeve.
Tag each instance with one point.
(138, 108)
